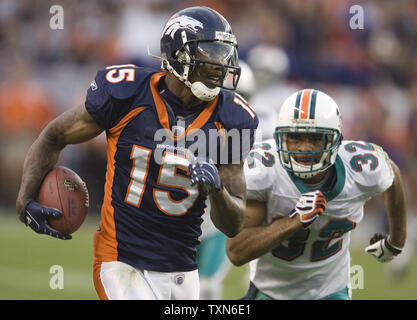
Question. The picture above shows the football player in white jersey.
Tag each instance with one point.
(306, 191)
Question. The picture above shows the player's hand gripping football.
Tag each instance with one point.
(309, 207)
(380, 248)
(35, 216)
(204, 173)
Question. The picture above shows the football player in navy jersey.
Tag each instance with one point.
(161, 161)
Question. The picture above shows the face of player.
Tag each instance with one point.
(302, 142)
(217, 56)
(213, 74)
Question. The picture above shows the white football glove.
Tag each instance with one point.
(309, 207)
(381, 249)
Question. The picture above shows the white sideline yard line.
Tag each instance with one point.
(36, 279)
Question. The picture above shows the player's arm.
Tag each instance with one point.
(226, 189)
(395, 204)
(385, 247)
(257, 239)
(71, 127)
(228, 203)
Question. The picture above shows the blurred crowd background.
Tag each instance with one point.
(290, 44)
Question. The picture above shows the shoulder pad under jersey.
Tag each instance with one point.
(235, 112)
(368, 164)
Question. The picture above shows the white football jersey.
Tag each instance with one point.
(314, 262)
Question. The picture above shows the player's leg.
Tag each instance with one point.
(213, 266)
(173, 285)
(118, 281)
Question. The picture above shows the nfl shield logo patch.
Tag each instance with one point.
(179, 278)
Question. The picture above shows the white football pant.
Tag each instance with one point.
(119, 281)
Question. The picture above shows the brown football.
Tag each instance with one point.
(64, 190)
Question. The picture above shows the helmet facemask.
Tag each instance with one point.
(320, 160)
(206, 66)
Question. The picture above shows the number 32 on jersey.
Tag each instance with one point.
(329, 244)
(366, 158)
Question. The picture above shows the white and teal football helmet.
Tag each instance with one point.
(309, 111)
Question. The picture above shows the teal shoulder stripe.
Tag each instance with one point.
(337, 188)
(341, 179)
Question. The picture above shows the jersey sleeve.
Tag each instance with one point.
(384, 175)
(108, 98)
(259, 172)
(240, 122)
(370, 166)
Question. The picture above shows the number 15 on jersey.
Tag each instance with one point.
(173, 174)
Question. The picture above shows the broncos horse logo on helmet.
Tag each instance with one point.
(177, 22)
(199, 42)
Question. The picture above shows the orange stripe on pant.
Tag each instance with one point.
(105, 243)
(305, 104)
(98, 285)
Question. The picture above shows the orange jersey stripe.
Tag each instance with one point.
(222, 131)
(159, 103)
(305, 104)
(203, 117)
(125, 120)
(105, 243)
(163, 114)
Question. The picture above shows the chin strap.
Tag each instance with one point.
(201, 91)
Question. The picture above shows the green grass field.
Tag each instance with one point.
(26, 259)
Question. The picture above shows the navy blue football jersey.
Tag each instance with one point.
(151, 215)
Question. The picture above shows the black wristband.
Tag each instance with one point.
(393, 249)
